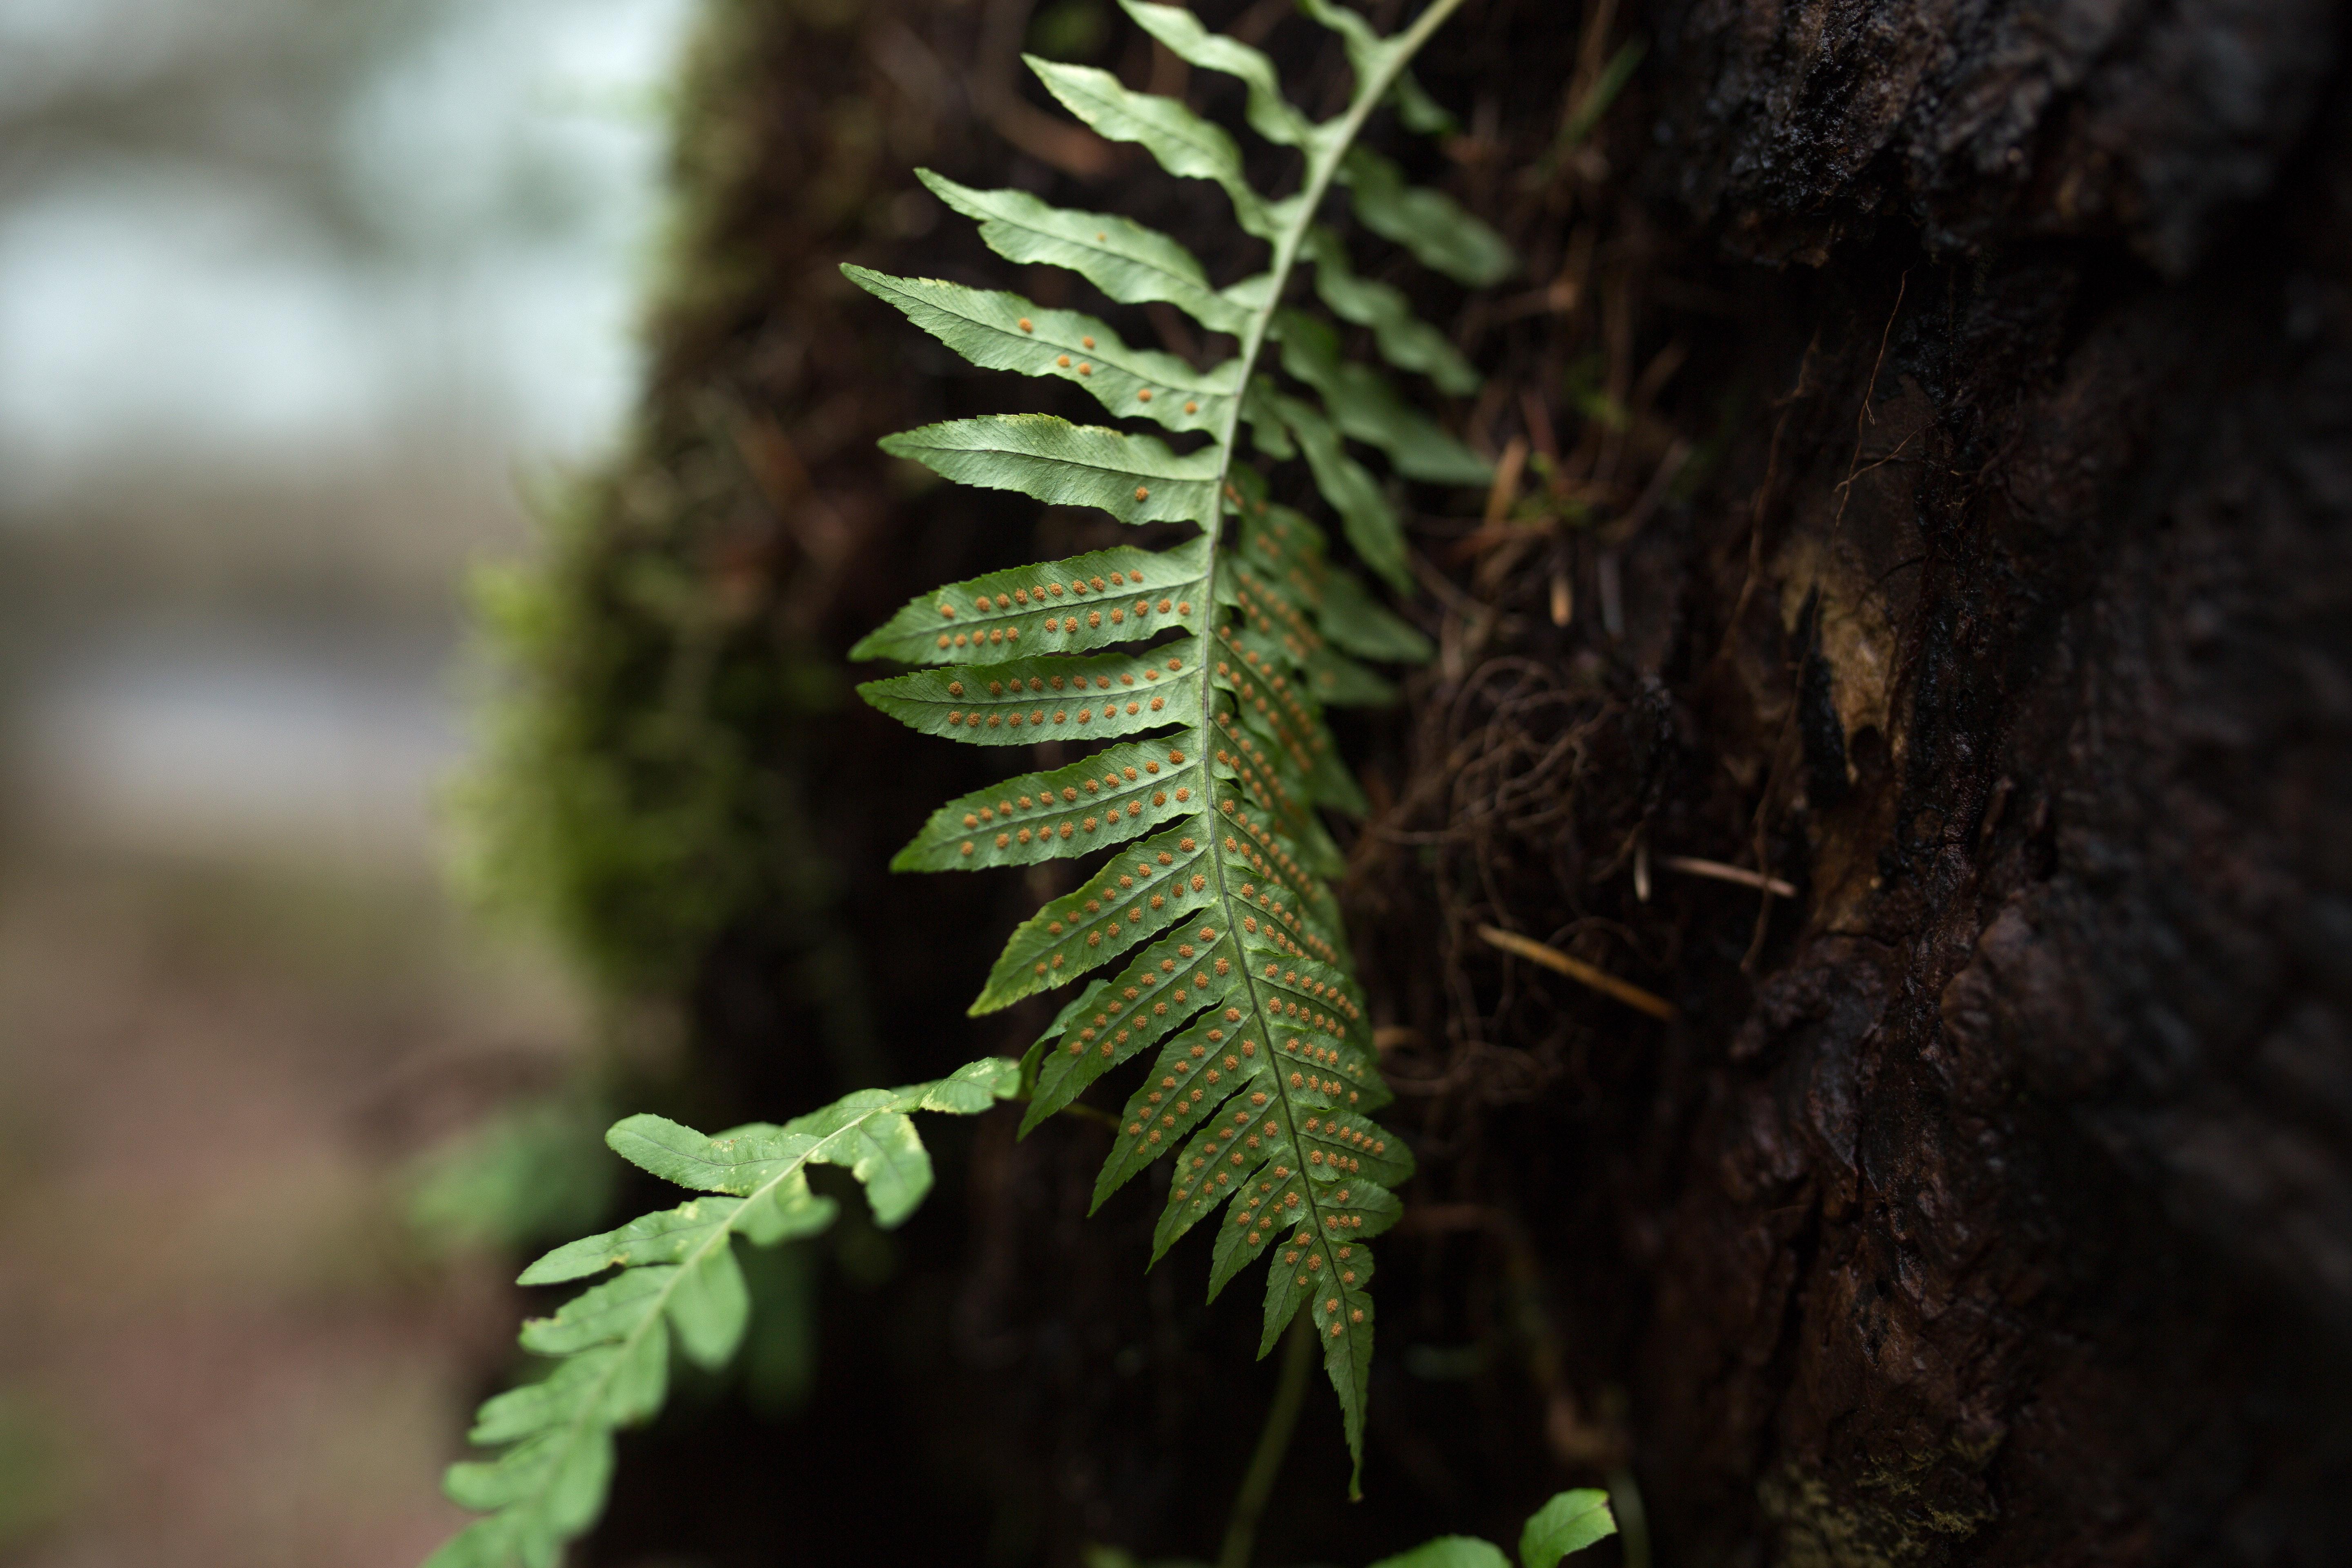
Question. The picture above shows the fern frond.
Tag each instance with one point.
(680, 1277)
(1428, 222)
(1208, 938)
(1270, 114)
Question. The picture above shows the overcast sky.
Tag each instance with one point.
(255, 231)
(332, 240)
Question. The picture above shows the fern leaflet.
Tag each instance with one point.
(678, 1277)
(1209, 664)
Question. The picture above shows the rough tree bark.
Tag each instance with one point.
(2016, 1222)
(1947, 409)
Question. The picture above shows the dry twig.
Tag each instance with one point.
(1576, 969)
(1691, 865)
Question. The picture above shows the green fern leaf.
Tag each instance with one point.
(1449, 1552)
(1569, 1522)
(1339, 681)
(680, 1277)
(1032, 1060)
(1208, 939)
(1176, 979)
(1428, 222)
(1046, 697)
(1370, 523)
(1265, 419)
(1195, 1074)
(1185, 144)
(1284, 712)
(1108, 798)
(1004, 332)
(1130, 263)
(1367, 408)
(991, 615)
(1405, 340)
(1421, 113)
(1270, 113)
(1270, 608)
(675, 1235)
(1369, 54)
(1286, 551)
(1351, 619)
(1137, 894)
(1136, 479)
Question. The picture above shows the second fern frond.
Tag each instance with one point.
(678, 1279)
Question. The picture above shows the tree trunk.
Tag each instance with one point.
(1939, 423)
(2012, 1221)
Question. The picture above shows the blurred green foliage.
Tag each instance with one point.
(1070, 30)
(613, 807)
(37, 1481)
(619, 802)
(532, 1172)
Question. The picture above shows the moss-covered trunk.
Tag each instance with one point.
(1932, 438)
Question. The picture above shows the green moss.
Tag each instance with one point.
(536, 1171)
(38, 1485)
(619, 802)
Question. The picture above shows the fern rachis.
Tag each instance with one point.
(1236, 970)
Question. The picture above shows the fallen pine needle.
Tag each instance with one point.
(1692, 866)
(1577, 969)
(1506, 487)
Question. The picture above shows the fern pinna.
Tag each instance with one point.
(1207, 664)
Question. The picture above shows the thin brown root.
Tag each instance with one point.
(1692, 866)
(1576, 969)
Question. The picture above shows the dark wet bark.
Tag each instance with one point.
(2016, 1221)
(1991, 1201)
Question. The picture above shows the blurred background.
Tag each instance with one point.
(300, 301)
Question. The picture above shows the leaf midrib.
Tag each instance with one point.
(1330, 143)
(899, 444)
(1204, 383)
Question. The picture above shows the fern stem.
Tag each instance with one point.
(1331, 145)
(1633, 1520)
(1273, 1443)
